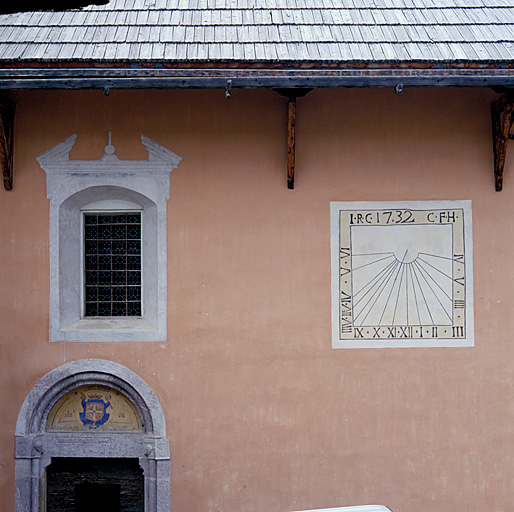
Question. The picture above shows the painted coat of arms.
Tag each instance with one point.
(94, 413)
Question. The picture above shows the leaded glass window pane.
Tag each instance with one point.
(112, 264)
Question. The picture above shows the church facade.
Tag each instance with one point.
(259, 298)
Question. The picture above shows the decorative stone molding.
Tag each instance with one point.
(73, 185)
(34, 447)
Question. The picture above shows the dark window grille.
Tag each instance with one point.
(112, 264)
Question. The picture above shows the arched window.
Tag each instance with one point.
(108, 244)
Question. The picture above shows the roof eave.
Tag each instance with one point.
(252, 77)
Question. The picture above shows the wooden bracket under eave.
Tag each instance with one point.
(291, 128)
(291, 95)
(501, 120)
(7, 108)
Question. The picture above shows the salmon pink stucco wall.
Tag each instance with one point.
(262, 414)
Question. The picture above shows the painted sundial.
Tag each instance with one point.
(402, 274)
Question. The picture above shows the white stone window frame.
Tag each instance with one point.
(72, 186)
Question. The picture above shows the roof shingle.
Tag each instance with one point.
(265, 30)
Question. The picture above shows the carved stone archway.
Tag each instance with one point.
(35, 446)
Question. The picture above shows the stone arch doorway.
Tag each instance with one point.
(46, 432)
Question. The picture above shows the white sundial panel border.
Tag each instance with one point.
(402, 274)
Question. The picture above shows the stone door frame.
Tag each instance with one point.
(34, 447)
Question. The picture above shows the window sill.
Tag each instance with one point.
(109, 329)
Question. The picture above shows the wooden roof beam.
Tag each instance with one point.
(501, 121)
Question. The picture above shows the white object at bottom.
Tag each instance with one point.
(361, 508)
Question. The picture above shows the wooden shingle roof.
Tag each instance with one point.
(265, 31)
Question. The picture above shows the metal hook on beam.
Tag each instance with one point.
(228, 88)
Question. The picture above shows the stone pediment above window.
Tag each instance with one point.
(108, 243)
(56, 160)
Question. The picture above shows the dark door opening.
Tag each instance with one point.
(94, 485)
(97, 497)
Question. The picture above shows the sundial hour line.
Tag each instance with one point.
(432, 290)
(392, 288)
(391, 255)
(407, 292)
(436, 256)
(376, 278)
(428, 274)
(378, 289)
(398, 294)
(381, 279)
(435, 268)
(415, 296)
(372, 253)
(424, 298)
(403, 267)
